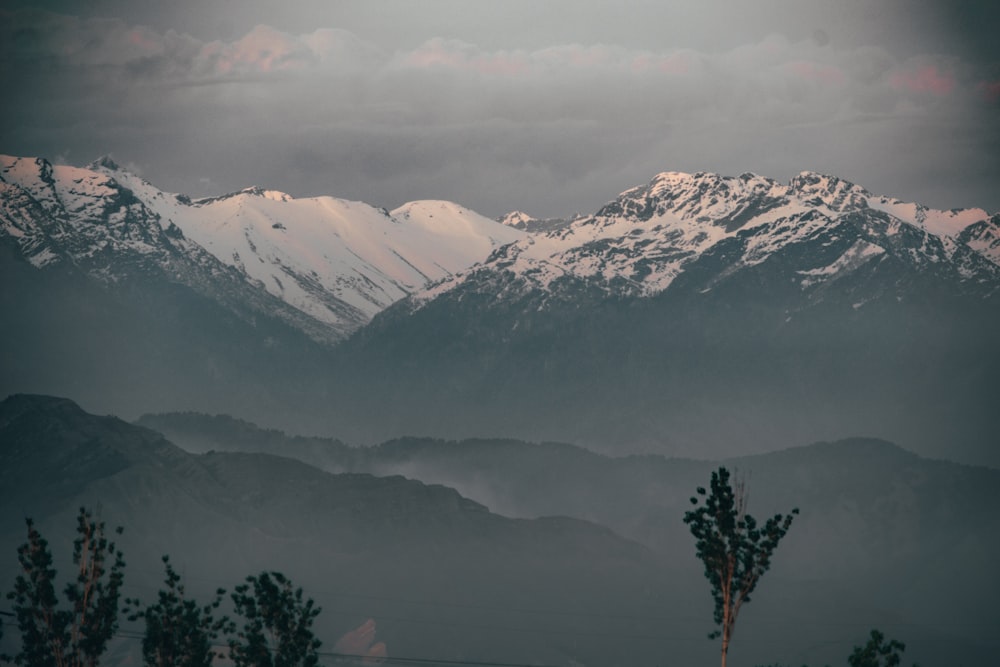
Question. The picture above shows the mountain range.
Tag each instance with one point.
(706, 315)
(696, 314)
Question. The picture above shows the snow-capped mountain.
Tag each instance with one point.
(687, 313)
(328, 263)
(339, 261)
(698, 311)
(638, 244)
(59, 215)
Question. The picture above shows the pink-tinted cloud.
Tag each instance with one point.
(926, 79)
(570, 59)
(829, 75)
(261, 51)
(459, 56)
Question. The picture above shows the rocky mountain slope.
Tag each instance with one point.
(642, 241)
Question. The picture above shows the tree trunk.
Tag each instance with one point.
(727, 607)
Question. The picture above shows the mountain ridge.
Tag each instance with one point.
(641, 241)
(336, 260)
(689, 312)
(637, 244)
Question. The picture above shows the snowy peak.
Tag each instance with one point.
(253, 191)
(835, 193)
(34, 176)
(527, 223)
(983, 236)
(105, 163)
(840, 195)
(516, 219)
(639, 243)
(63, 213)
(701, 198)
(940, 223)
(339, 261)
(448, 219)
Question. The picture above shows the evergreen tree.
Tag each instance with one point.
(179, 632)
(79, 635)
(277, 628)
(876, 653)
(735, 552)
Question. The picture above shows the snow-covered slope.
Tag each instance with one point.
(335, 262)
(339, 261)
(639, 243)
(87, 221)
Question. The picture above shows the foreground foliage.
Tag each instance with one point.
(277, 619)
(179, 632)
(277, 628)
(78, 634)
(877, 653)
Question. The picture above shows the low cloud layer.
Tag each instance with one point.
(552, 130)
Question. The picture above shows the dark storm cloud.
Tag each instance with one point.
(486, 112)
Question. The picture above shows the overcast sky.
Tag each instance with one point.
(551, 107)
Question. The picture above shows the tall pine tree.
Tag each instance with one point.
(76, 635)
(735, 552)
